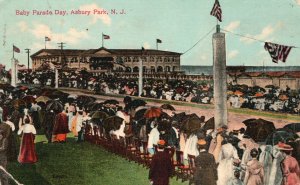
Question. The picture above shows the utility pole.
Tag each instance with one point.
(62, 60)
(27, 51)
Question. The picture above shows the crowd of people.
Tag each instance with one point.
(269, 98)
(222, 156)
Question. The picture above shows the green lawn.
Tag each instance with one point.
(79, 164)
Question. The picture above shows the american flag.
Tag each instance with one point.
(105, 36)
(47, 39)
(277, 52)
(217, 11)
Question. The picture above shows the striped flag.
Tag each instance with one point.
(217, 11)
(47, 39)
(16, 49)
(277, 52)
(105, 36)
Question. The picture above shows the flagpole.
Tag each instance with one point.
(102, 39)
(45, 43)
(13, 52)
(156, 45)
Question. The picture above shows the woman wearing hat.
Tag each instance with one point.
(290, 166)
(206, 168)
(27, 152)
(161, 166)
(254, 170)
(3, 155)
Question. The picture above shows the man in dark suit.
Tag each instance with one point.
(206, 168)
(161, 167)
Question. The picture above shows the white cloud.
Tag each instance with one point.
(232, 26)
(41, 30)
(203, 57)
(233, 54)
(265, 33)
(72, 36)
(22, 25)
(298, 2)
(146, 45)
(95, 17)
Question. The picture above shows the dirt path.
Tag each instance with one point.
(234, 119)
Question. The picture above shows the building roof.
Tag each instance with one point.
(58, 52)
(113, 51)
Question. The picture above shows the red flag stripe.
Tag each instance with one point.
(217, 11)
(16, 49)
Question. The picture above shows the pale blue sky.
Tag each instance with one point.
(178, 23)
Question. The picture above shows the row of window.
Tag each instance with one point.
(151, 59)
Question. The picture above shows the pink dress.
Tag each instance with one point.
(291, 171)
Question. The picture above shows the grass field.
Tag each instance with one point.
(74, 163)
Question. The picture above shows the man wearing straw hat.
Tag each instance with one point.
(290, 166)
(206, 168)
(161, 167)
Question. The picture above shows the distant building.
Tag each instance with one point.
(280, 79)
(103, 59)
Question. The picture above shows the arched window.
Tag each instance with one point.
(152, 69)
(135, 69)
(167, 69)
(128, 69)
(160, 69)
(135, 59)
(144, 69)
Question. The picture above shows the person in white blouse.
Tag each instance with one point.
(153, 139)
(27, 152)
(11, 124)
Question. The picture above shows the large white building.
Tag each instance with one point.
(103, 59)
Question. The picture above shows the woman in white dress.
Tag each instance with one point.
(226, 169)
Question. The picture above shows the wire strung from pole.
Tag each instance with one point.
(245, 36)
(199, 41)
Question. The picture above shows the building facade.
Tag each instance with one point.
(281, 79)
(103, 59)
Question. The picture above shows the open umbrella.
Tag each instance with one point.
(209, 124)
(191, 125)
(94, 106)
(98, 115)
(6, 86)
(139, 114)
(280, 135)
(112, 123)
(18, 103)
(85, 100)
(259, 94)
(167, 107)
(43, 99)
(295, 127)
(283, 97)
(247, 121)
(179, 117)
(22, 88)
(238, 93)
(112, 101)
(259, 129)
(54, 105)
(136, 103)
(28, 99)
(153, 112)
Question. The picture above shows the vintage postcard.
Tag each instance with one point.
(117, 92)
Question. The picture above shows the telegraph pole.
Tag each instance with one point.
(62, 62)
(27, 51)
